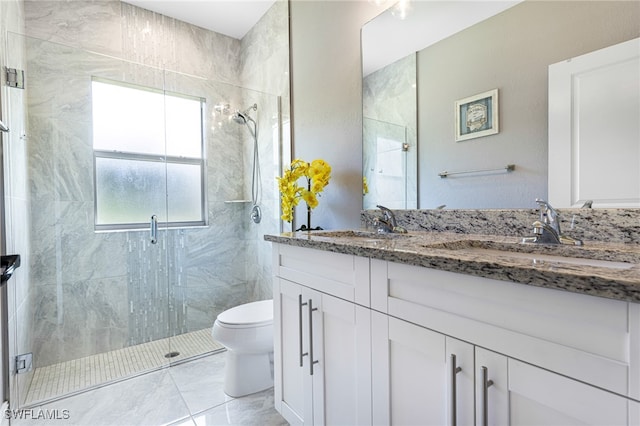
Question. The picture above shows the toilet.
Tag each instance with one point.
(247, 333)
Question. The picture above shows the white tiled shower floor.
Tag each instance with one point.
(67, 377)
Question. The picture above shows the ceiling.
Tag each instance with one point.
(233, 18)
(387, 38)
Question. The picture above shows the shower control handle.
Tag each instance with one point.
(154, 229)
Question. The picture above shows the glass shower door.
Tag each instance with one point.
(93, 307)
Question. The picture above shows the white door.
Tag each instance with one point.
(594, 128)
(409, 380)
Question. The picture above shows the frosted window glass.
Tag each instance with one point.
(184, 127)
(158, 166)
(184, 188)
(129, 191)
(127, 120)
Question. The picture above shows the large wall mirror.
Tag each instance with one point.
(416, 72)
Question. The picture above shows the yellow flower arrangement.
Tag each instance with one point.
(317, 174)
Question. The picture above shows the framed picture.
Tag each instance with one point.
(477, 116)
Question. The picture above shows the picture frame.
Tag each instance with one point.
(477, 116)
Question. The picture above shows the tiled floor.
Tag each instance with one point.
(188, 394)
(67, 377)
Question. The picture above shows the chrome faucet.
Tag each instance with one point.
(388, 223)
(547, 230)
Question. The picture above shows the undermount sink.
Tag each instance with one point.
(367, 235)
(545, 253)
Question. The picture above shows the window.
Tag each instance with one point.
(148, 152)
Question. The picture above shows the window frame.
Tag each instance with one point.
(155, 158)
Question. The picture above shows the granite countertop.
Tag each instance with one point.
(497, 257)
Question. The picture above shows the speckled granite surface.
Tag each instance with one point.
(487, 244)
(606, 225)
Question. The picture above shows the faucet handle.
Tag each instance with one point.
(547, 213)
(388, 215)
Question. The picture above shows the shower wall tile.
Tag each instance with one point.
(265, 67)
(221, 59)
(206, 302)
(89, 25)
(79, 318)
(148, 37)
(265, 52)
(65, 246)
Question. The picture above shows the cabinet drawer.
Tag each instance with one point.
(341, 275)
(584, 337)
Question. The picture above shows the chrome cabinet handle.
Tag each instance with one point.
(311, 360)
(486, 383)
(300, 305)
(454, 398)
(154, 229)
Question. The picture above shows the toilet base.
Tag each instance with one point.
(247, 373)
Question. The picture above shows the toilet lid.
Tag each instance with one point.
(254, 313)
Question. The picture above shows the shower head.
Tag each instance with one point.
(241, 117)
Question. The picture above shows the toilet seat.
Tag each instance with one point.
(249, 315)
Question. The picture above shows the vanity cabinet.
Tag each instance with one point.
(322, 355)
(399, 344)
(551, 357)
(427, 378)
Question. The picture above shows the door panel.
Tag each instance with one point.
(594, 132)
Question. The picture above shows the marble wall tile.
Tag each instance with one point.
(79, 318)
(89, 25)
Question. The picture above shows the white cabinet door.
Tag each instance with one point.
(537, 396)
(292, 386)
(492, 388)
(342, 361)
(322, 357)
(594, 131)
(409, 380)
(521, 394)
(460, 382)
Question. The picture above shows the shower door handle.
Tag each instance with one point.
(154, 229)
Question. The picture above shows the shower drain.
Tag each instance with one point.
(172, 354)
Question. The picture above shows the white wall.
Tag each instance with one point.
(326, 98)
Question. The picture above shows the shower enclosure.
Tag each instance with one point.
(139, 193)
